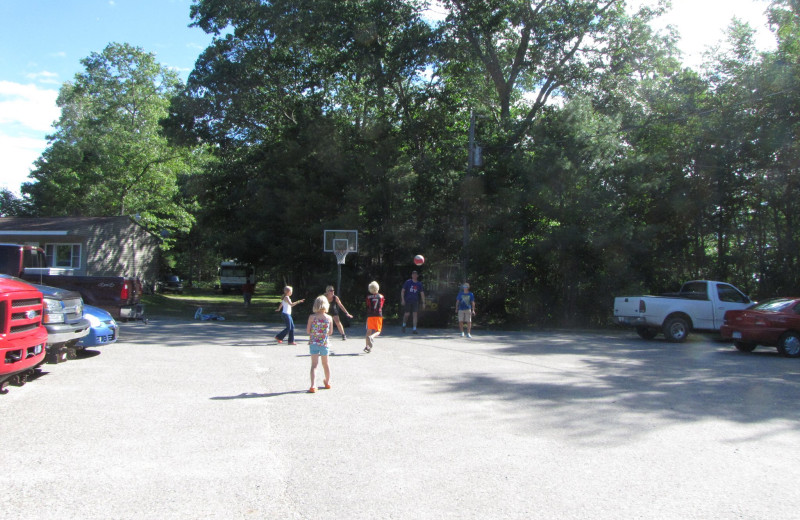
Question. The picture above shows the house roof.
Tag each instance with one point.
(34, 225)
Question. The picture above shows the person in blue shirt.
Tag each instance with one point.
(465, 305)
(410, 299)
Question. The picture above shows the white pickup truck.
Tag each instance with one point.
(699, 305)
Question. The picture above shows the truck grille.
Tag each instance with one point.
(20, 313)
(23, 328)
(30, 313)
(73, 309)
(26, 302)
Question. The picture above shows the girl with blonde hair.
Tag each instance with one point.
(319, 329)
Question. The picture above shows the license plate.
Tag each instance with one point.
(737, 335)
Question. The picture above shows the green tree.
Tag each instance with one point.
(108, 154)
(322, 117)
(13, 206)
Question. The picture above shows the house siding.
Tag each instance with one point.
(110, 246)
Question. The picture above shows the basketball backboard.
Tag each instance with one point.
(334, 237)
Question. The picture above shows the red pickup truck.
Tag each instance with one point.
(22, 335)
(119, 295)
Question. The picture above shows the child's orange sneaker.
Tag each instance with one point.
(312, 390)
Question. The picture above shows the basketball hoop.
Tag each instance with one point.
(340, 242)
(340, 249)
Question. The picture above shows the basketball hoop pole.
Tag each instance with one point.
(340, 248)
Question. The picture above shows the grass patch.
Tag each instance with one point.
(230, 306)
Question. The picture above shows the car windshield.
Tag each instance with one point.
(774, 305)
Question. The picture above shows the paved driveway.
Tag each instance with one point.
(212, 420)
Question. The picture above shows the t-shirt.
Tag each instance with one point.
(319, 332)
(287, 305)
(375, 305)
(465, 300)
(412, 290)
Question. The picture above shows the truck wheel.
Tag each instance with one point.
(676, 329)
(741, 346)
(646, 332)
(789, 345)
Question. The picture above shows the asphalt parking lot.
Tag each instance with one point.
(212, 420)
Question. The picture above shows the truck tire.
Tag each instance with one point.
(676, 329)
(742, 346)
(646, 332)
(789, 345)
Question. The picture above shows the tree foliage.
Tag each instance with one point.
(13, 206)
(606, 167)
(108, 154)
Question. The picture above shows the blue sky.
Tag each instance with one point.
(43, 41)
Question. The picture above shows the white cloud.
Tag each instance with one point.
(702, 24)
(18, 155)
(28, 106)
(50, 78)
(435, 12)
(27, 113)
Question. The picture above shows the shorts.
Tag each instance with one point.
(412, 306)
(465, 316)
(317, 350)
(375, 323)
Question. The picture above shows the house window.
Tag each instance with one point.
(63, 255)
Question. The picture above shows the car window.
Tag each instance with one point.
(776, 305)
(694, 287)
(729, 293)
(695, 290)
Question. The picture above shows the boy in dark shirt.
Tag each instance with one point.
(375, 302)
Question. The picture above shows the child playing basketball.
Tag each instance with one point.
(374, 315)
(319, 328)
(285, 307)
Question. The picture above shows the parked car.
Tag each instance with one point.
(63, 319)
(22, 336)
(773, 323)
(699, 305)
(103, 328)
(171, 284)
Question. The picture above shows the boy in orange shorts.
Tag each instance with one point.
(374, 315)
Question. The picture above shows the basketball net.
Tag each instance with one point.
(340, 250)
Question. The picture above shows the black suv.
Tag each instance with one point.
(171, 284)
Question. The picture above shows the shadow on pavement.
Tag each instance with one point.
(250, 395)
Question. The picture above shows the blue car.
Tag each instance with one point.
(103, 328)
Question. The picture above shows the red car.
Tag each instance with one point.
(773, 323)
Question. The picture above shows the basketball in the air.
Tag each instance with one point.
(419, 259)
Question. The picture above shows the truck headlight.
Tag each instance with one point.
(53, 311)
